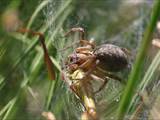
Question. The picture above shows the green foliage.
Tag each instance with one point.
(134, 77)
(25, 89)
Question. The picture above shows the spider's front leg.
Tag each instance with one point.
(83, 42)
(78, 29)
(78, 60)
(85, 45)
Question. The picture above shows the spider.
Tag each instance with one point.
(90, 62)
(99, 62)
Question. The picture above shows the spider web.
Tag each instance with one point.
(129, 37)
(72, 107)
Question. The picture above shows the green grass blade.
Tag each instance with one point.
(148, 78)
(39, 8)
(40, 55)
(50, 94)
(1, 82)
(133, 78)
(65, 5)
(4, 109)
(52, 87)
(150, 72)
(10, 108)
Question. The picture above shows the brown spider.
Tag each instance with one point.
(101, 61)
(88, 63)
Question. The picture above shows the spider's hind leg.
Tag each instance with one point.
(105, 76)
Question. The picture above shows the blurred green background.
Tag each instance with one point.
(25, 89)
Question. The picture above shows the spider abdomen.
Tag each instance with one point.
(112, 58)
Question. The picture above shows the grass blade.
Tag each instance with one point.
(133, 78)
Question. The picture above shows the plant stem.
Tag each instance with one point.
(135, 73)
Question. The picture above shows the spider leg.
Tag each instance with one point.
(87, 43)
(75, 88)
(94, 77)
(103, 73)
(106, 75)
(105, 80)
(84, 49)
(114, 77)
(89, 63)
(102, 86)
(78, 29)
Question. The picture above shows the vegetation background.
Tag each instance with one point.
(25, 89)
